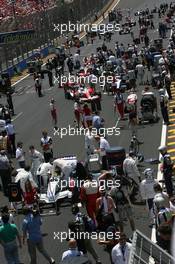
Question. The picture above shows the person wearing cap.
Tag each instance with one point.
(147, 192)
(5, 171)
(130, 168)
(167, 169)
(164, 106)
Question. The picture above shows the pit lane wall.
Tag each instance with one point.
(83, 11)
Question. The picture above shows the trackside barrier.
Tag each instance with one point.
(144, 251)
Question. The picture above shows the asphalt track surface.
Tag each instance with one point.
(33, 115)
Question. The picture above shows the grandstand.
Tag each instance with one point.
(22, 10)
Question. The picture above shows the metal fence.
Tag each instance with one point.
(144, 251)
(43, 23)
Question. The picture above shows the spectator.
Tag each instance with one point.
(32, 231)
(20, 155)
(165, 235)
(5, 171)
(36, 160)
(30, 194)
(46, 144)
(23, 175)
(103, 146)
(72, 251)
(121, 252)
(123, 206)
(5, 211)
(11, 135)
(8, 235)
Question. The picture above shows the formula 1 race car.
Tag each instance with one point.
(54, 195)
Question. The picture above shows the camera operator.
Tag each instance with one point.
(122, 203)
(81, 227)
(32, 229)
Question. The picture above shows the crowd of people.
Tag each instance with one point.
(106, 204)
(22, 8)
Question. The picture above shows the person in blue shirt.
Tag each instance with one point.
(32, 231)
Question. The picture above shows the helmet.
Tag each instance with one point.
(161, 91)
(162, 149)
(148, 173)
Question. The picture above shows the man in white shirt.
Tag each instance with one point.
(36, 159)
(89, 144)
(23, 175)
(20, 155)
(130, 168)
(43, 172)
(121, 252)
(103, 146)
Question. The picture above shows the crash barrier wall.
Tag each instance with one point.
(15, 54)
(144, 251)
(22, 65)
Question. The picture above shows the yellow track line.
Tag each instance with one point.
(171, 143)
